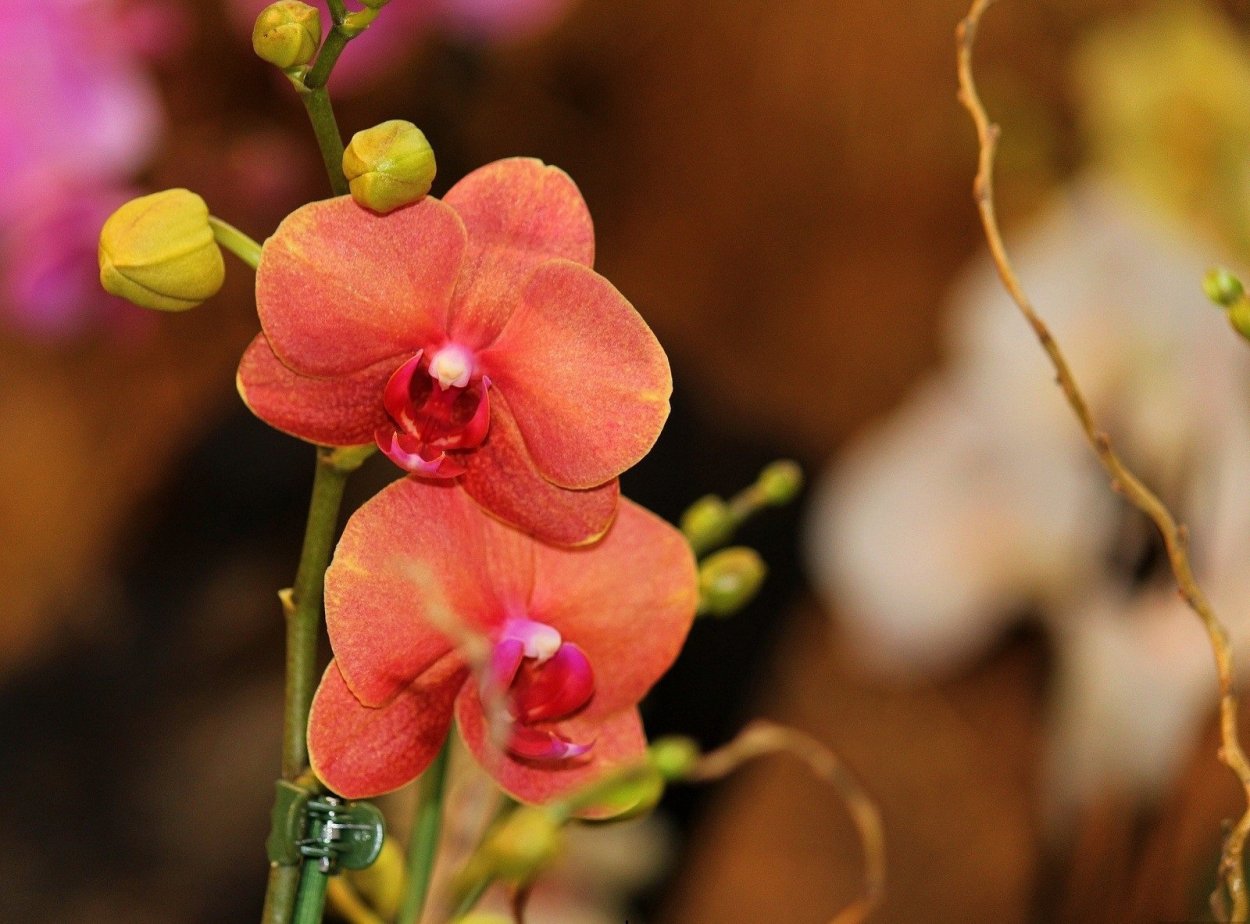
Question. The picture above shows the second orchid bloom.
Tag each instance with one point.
(436, 610)
(470, 338)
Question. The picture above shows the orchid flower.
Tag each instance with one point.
(541, 654)
(470, 339)
(979, 498)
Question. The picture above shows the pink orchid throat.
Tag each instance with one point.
(438, 412)
(537, 678)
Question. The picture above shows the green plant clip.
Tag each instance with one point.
(336, 833)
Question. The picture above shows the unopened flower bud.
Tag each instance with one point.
(287, 33)
(484, 917)
(729, 580)
(389, 165)
(628, 796)
(1222, 287)
(524, 845)
(780, 482)
(673, 756)
(158, 251)
(1239, 317)
(374, 4)
(382, 883)
(708, 522)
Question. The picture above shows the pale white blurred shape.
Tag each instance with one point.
(979, 497)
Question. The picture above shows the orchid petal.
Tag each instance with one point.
(585, 377)
(418, 570)
(501, 477)
(361, 751)
(627, 602)
(340, 411)
(339, 288)
(518, 213)
(618, 740)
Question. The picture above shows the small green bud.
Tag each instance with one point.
(629, 796)
(708, 522)
(729, 580)
(287, 33)
(389, 165)
(780, 482)
(1222, 287)
(524, 845)
(374, 4)
(1239, 317)
(159, 252)
(673, 756)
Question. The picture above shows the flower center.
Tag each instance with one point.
(439, 412)
(537, 678)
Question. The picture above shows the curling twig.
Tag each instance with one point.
(1174, 535)
(761, 738)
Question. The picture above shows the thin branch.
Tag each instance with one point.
(1175, 540)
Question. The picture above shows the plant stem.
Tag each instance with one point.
(423, 841)
(235, 241)
(325, 127)
(310, 906)
(302, 607)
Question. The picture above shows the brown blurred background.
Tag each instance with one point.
(782, 189)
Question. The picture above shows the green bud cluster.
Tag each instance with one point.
(389, 166)
(287, 33)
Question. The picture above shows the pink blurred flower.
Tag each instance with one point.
(78, 116)
(403, 23)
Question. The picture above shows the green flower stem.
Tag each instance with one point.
(423, 842)
(235, 241)
(325, 127)
(302, 608)
(311, 903)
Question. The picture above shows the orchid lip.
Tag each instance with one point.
(436, 403)
(536, 677)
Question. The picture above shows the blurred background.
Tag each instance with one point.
(958, 605)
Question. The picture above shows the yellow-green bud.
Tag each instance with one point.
(780, 482)
(287, 33)
(708, 522)
(631, 795)
(1222, 287)
(374, 4)
(524, 845)
(1239, 317)
(158, 251)
(485, 917)
(673, 756)
(389, 165)
(729, 579)
(382, 884)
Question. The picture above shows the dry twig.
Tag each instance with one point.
(1175, 539)
(761, 738)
